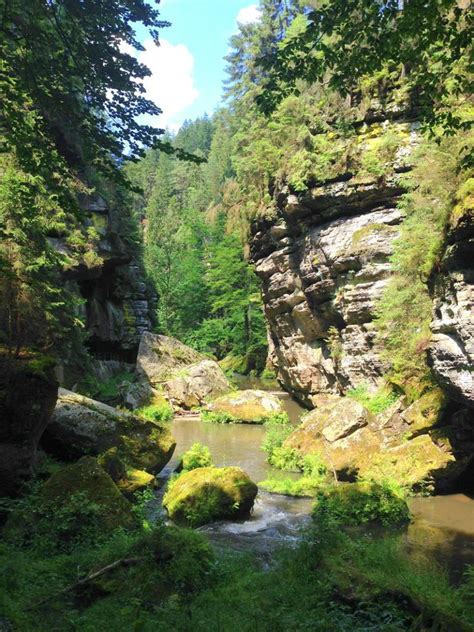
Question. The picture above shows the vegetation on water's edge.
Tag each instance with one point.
(222, 417)
(159, 412)
(170, 578)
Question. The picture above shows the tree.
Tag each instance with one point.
(344, 40)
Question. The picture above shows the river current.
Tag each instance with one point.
(442, 527)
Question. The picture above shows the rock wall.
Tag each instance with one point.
(324, 262)
(451, 353)
(118, 304)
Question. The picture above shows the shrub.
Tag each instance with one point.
(161, 412)
(278, 428)
(315, 475)
(375, 402)
(217, 417)
(198, 455)
(358, 503)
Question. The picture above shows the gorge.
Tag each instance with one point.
(236, 386)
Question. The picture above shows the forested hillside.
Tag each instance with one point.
(236, 359)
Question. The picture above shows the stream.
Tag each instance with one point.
(442, 527)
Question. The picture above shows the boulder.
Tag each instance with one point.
(248, 407)
(28, 392)
(207, 494)
(82, 426)
(354, 442)
(196, 384)
(86, 483)
(187, 377)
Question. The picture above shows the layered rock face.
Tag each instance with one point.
(451, 353)
(118, 306)
(324, 262)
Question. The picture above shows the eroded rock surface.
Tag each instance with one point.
(451, 352)
(82, 426)
(187, 377)
(322, 272)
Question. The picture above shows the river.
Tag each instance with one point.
(442, 527)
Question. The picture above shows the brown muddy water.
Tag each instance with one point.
(442, 527)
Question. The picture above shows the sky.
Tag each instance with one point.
(188, 68)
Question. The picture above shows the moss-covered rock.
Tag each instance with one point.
(79, 503)
(248, 407)
(425, 412)
(82, 426)
(354, 442)
(208, 494)
(135, 481)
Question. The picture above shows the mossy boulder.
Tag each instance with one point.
(135, 481)
(28, 392)
(128, 480)
(79, 503)
(354, 442)
(207, 494)
(425, 412)
(81, 426)
(248, 407)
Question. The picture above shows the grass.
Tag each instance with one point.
(161, 412)
(376, 402)
(331, 582)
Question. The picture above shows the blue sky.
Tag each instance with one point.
(188, 68)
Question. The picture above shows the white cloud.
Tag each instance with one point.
(249, 14)
(171, 84)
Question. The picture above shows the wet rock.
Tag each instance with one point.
(28, 392)
(249, 406)
(207, 494)
(187, 377)
(81, 426)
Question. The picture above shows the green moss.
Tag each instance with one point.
(366, 232)
(207, 494)
(358, 503)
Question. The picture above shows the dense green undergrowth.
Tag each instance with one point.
(170, 578)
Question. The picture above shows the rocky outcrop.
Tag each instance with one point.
(207, 494)
(28, 393)
(248, 407)
(118, 305)
(324, 263)
(451, 352)
(320, 286)
(82, 426)
(353, 442)
(187, 378)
